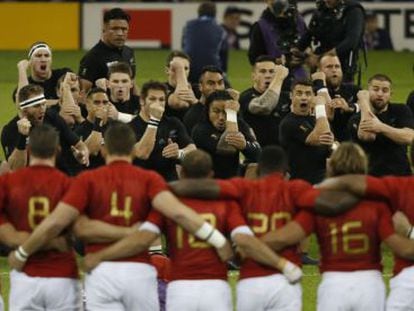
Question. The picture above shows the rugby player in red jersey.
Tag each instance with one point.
(49, 279)
(119, 194)
(399, 194)
(349, 243)
(199, 278)
(267, 203)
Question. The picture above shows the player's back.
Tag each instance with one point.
(30, 195)
(191, 258)
(399, 192)
(118, 193)
(267, 204)
(351, 241)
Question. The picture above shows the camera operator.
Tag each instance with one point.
(336, 26)
(276, 32)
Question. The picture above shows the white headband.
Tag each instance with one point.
(33, 101)
(40, 46)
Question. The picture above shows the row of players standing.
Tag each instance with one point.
(306, 89)
(262, 107)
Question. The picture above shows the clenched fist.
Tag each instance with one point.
(23, 126)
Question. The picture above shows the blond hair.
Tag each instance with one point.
(349, 158)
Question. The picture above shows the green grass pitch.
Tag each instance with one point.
(151, 63)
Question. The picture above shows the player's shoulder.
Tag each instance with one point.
(12, 124)
(129, 50)
(399, 109)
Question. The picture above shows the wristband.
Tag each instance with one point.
(21, 254)
(153, 122)
(318, 84)
(292, 272)
(21, 250)
(21, 142)
(231, 115)
(97, 125)
(357, 109)
(181, 154)
(19, 257)
(320, 111)
(410, 233)
(322, 90)
(155, 249)
(205, 231)
(216, 239)
(125, 117)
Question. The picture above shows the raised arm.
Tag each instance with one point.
(144, 147)
(265, 103)
(321, 133)
(223, 147)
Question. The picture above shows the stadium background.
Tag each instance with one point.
(63, 26)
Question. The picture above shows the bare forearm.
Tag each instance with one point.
(264, 104)
(17, 159)
(145, 146)
(129, 246)
(38, 239)
(175, 102)
(331, 203)
(189, 148)
(182, 83)
(402, 136)
(290, 234)
(257, 250)
(95, 231)
(11, 237)
(67, 98)
(322, 126)
(223, 147)
(355, 184)
(167, 204)
(23, 80)
(94, 142)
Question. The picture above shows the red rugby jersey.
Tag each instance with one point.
(350, 241)
(27, 197)
(118, 193)
(267, 204)
(399, 193)
(191, 258)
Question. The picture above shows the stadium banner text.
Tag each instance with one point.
(160, 24)
(22, 24)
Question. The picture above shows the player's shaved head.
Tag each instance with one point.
(43, 141)
(349, 158)
(119, 139)
(272, 159)
(197, 164)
